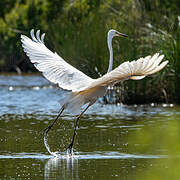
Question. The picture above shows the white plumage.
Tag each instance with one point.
(81, 89)
(84, 89)
(54, 68)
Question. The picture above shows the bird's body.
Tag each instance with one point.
(81, 88)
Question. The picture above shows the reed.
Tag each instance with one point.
(77, 31)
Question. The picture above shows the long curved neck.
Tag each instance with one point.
(109, 39)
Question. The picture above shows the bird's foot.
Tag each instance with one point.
(70, 150)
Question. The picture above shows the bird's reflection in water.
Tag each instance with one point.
(61, 168)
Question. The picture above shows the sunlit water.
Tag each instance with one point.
(113, 142)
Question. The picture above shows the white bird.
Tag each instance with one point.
(83, 89)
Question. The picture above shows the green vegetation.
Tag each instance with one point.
(77, 30)
(154, 139)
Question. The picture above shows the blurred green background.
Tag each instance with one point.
(77, 30)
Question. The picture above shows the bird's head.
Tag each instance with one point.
(112, 33)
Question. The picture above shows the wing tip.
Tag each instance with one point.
(22, 36)
(32, 31)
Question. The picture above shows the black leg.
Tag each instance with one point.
(51, 125)
(70, 147)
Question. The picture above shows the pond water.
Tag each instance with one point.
(113, 142)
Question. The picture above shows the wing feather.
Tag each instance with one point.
(135, 70)
(53, 67)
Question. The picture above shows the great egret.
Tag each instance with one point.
(83, 89)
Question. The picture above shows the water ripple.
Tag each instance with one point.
(81, 155)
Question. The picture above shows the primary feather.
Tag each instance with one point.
(53, 67)
(134, 70)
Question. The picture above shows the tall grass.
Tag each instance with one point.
(78, 30)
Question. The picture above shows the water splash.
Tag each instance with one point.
(47, 145)
(58, 154)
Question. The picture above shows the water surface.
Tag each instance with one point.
(113, 142)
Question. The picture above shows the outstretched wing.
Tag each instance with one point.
(53, 67)
(135, 70)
